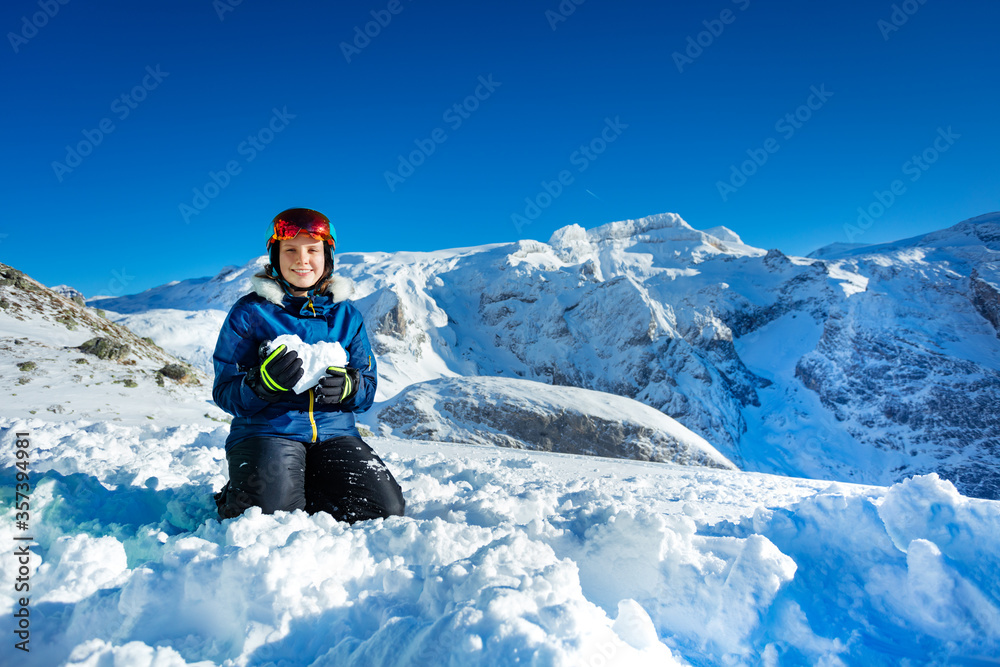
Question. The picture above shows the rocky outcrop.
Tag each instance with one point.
(105, 348)
(986, 299)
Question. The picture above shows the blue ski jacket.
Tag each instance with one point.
(261, 316)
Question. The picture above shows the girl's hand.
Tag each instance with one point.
(339, 385)
(277, 374)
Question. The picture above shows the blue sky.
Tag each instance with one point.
(778, 120)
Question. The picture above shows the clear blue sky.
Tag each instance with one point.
(118, 212)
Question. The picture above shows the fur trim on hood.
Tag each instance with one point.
(269, 288)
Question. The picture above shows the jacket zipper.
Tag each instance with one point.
(311, 419)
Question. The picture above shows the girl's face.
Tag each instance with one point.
(301, 261)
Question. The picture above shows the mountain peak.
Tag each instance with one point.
(621, 229)
(67, 291)
(631, 228)
(725, 234)
(665, 235)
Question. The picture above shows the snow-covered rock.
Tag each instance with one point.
(911, 365)
(530, 415)
(188, 334)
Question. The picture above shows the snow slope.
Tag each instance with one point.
(188, 334)
(44, 371)
(218, 292)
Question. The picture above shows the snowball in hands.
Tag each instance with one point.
(316, 358)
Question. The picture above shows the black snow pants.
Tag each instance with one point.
(341, 476)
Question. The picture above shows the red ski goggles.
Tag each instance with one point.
(289, 224)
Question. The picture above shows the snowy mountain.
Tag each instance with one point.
(218, 293)
(869, 365)
(70, 293)
(912, 364)
(504, 556)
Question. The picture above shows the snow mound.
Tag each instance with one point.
(918, 564)
(531, 415)
(504, 557)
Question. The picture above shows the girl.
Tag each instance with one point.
(290, 451)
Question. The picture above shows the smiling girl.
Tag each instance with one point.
(290, 451)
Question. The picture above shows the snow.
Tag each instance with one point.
(219, 292)
(504, 557)
(316, 358)
(804, 440)
(189, 334)
(66, 384)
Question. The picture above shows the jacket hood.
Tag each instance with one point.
(268, 288)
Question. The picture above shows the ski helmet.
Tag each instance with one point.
(291, 222)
